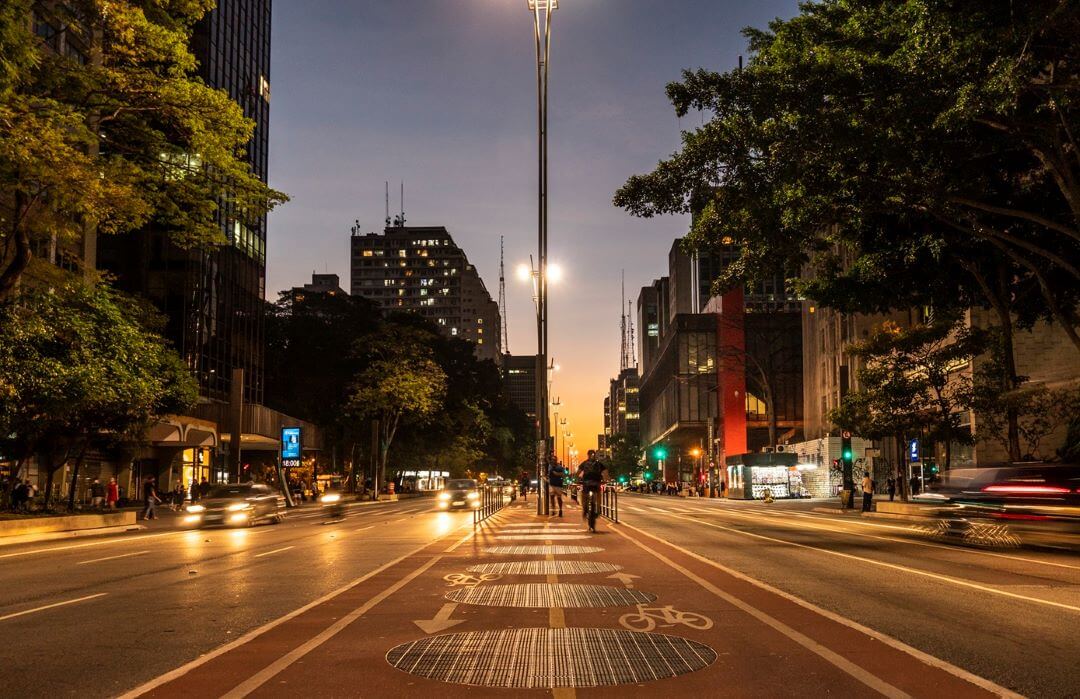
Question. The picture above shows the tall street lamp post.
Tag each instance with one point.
(542, 12)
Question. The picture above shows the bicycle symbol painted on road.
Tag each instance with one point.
(647, 618)
(466, 580)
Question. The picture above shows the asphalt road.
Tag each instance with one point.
(100, 616)
(1010, 616)
(95, 617)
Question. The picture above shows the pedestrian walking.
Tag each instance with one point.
(179, 495)
(97, 494)
(890, 486)
(867, 491)
(112, 494)
(556, 478)
(523, 484)
(204, 488)
(150, 499)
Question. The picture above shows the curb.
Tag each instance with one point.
(70, 534)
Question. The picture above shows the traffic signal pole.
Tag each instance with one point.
(847, 464)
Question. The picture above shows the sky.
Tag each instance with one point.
(441, 94)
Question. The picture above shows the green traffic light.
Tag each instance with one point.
(660, 453)
(648, 476)
(847, 455)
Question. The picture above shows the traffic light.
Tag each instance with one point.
(648, 476)
(660, 453)
(622, 479)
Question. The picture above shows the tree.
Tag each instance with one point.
(894, 155)
(910, 383)
(402, 380)
(115, 133)
(78, 364)
(626, 455)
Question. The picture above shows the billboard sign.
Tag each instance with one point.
(913, 451)
(290, 443)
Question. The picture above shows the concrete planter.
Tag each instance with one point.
(45, 525)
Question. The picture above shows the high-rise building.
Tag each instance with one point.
(213, 299)
(519, 377)
(421, 270)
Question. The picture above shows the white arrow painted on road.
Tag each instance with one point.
(625, 578)
(441, 622)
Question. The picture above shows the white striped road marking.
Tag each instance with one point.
(912, 542)
(269, 553)
(110, 558)
(51, 606)
(255, 633)
(893, 566)
(360, 529)
(887, 640)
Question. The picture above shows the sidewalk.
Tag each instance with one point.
(532, 605)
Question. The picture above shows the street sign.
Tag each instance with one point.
(913, 451)
(846, 434)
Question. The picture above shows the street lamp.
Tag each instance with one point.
(542, 12)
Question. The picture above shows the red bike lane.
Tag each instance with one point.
(540, 606)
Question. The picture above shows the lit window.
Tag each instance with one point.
(479, 331)
(480, 341)
(401, 253)
(479, 321)
(453, 331)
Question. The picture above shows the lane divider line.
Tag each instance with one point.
(270, 553)
(827, 654)
(110, 558)
(779, 516)
(926, 658)
(51, 606)
(255, 633)
(281, 664)
(893, 566)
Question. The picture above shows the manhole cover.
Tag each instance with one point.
(545, 658)
(546, 595)
(553, 550)
(545, 568)
(541, 537)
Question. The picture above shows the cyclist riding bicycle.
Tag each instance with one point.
(592, 475)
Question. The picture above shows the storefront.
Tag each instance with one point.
(753, 476)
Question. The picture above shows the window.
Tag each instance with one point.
(453, 331)
(479, 321)
(369, 253)
(47, 32)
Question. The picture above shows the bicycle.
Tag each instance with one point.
(591, 506)
(647, 617)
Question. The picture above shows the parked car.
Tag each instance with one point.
(237, 505)
(458, 493)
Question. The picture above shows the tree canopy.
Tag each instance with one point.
(909, 153)
(79, 364)
(116, 131)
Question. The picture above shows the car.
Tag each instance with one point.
(237, 505)
(1021, 488)
(459, 493)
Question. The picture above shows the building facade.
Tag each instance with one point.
(420, 269)
(519, 377)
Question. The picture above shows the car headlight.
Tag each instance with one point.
(444, 496)
(473, 495)
(239, 506)
(195, 508)
(330, 497)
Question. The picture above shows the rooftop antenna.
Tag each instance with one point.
(502, 300)
(387, 203)
(624, 362)
(403, 203)
(630, 325)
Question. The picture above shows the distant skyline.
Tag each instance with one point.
(441, 94)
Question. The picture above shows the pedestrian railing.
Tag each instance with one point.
(492, 499)
(609, 504)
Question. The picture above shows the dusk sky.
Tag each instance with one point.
(442, 94)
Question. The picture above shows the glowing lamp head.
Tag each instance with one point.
(524, 272)
(554, 273)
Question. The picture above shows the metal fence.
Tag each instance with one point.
(492, 499)
(609, 504)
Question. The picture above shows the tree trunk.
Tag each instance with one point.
(75, 478)
(11, 274)
(901, 468)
